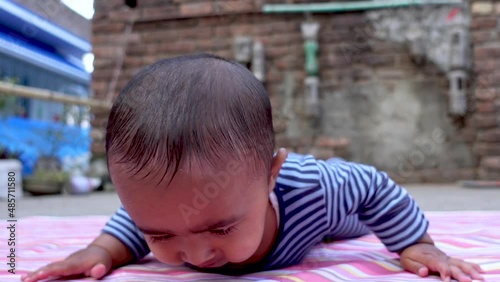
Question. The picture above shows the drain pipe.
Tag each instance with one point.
(310, 33)
(310, 36)
(351, 6)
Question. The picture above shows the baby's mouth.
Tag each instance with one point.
(212, 264)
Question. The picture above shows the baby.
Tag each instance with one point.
(190, 148)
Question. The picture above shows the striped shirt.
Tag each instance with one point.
(320, 200)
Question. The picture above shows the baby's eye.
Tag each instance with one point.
(162, 238)
(223, 232)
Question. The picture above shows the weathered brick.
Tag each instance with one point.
(196, 33)
(100, 85)
(435, 176)
(390, 73)
(368, 58)
(285, 39)
(223, 44)
(491, 163)
(481, 36)
(98, 148)
(283, 141)
(492, 135)
(274, 28)
(484, 120)
(482, 8)
(378, 60)
(106, 51)
(242, 29)
(178, 46)
(382, 47)
(410, 178)
(277, 51)
(219, 21)
(331, 142)
(285, 63)
(163, 12)
(322, 154)
(153, 3)
(103, 64)
(485, 94)
(234, 6)
(160, 35)
(102, 73)
(497, 8)
(222, 31)
(485, 174)
(468, 135)
(205, 44)
(485, 107)
(280, 124)
(487, 149)
(107, 27)
(348, 20)
(486, 52)
(484, 22)
(97, 135)
(334, 36)
(196, 9)
(124, 15)
(453, 175)
(483, 65)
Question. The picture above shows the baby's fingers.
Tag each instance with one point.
(442, 268)
(52, 270)
(98, 271)
(459, 274)
(471, 269)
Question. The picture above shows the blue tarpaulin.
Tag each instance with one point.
(40, 138)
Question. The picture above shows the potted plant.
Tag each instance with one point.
(46, 182)
(48, 177)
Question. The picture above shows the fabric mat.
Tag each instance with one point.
(474, 236)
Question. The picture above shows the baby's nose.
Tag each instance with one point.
(201, 256)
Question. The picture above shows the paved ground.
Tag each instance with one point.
(430, 198)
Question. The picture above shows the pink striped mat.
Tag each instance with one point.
(474, 236)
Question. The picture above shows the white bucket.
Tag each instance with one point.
(10, 168)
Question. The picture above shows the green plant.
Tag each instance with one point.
(8, 154)
(51, 176)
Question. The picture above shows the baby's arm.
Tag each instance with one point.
(380, 204)
(100, 256)
(392, 215)
(119, 244)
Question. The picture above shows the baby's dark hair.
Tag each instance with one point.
(200, 106)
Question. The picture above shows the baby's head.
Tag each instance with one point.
(190, 146)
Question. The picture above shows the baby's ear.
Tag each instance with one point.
(276, 164)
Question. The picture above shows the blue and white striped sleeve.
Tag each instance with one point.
(124, 229)
(383, 206)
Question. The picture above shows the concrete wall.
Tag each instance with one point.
(380, 103)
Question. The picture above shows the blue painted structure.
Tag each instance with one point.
(39, 53)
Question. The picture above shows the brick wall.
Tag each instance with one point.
(485, 29)
(353, 64)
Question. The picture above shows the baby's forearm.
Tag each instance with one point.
(426, 239)
(119, 253)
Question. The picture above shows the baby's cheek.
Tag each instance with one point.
(241, 247)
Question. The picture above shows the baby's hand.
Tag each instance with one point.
(423, 258)
(92, 261)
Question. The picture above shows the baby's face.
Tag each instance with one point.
(204, 217)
